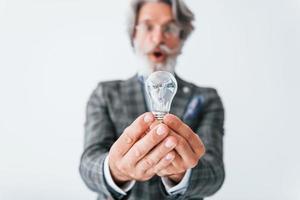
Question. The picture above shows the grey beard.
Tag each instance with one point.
(146, 67)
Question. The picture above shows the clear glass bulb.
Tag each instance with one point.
(161, 87)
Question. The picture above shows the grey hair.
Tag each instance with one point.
(182, 14)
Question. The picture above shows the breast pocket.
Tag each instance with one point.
(192, 115)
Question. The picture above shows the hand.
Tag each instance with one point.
(133, 157)
(189, 149)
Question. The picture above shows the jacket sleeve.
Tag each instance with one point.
(208, 176)
(99, 136)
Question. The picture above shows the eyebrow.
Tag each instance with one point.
(148, 21)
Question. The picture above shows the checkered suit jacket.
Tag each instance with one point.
(115, 104)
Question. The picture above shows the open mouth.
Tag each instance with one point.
(158, 56)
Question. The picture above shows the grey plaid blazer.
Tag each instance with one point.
(115, 104)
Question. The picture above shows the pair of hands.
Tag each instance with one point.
(147, 147)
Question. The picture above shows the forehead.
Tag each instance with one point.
(156, 12)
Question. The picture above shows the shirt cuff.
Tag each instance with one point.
(178, 188)
(107, 175)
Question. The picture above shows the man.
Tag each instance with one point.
(127, 153)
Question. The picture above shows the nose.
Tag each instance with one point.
(157, 36)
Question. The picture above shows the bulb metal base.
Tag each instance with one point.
(159, 115)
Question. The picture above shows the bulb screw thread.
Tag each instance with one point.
(159, 115)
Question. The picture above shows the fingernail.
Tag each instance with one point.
(169, 144)
(148, 118)
(161, 130)
(169, 156)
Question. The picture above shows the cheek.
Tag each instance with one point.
(145, 44)
(173, 43)
(142, 40)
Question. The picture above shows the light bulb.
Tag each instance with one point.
(161, 87)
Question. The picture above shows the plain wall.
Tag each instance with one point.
(54, 52)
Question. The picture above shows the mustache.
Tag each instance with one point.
(163, 48)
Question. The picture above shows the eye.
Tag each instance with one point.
(168, 28)
(148, 27)
(171, 29)
(144, 27)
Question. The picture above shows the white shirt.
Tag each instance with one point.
(169, 186)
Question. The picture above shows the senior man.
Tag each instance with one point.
(127, 153)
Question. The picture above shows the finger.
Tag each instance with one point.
(132, 133)
(145, 144)
(178, 162)
(165, 162)
(156, 154)
(185, 131)
(155, 123)
(190, 159)
(167, 171)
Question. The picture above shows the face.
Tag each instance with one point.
(156, 35)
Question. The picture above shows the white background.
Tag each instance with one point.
(54, 52)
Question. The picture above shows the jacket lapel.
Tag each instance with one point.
(182, 97)
(133, 98)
